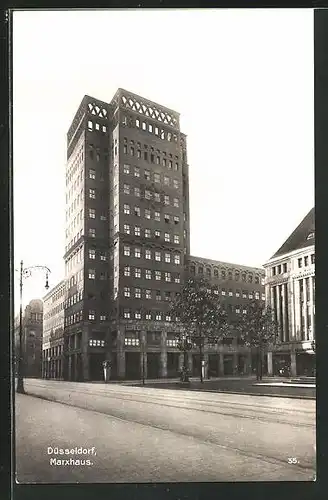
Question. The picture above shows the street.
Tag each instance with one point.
(142, 434)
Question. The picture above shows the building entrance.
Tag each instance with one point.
(132, 366)
(96, 366)
(153, 361)
(172, 364)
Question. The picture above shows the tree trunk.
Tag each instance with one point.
(201, 360)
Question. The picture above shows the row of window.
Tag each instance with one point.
(305, 260)
(148, 214)
(153, 129)
(127, 229)
(147, 294)
(78, 200)
(148, 176)
(57, 295)
(147, 194)
(149, 254)
(149, 274)
(230, 275)
(96, 343)
(148, 155)
(54, 310)
(92, 214)
(96, 127)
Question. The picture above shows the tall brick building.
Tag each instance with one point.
(127, 234)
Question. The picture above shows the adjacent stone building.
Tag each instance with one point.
(290, 290)
(53, 333)
(32, 327)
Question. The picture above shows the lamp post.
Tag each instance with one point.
(25, 272)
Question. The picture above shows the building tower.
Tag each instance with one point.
(127, 236)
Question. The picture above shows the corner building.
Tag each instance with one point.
(127, 237)
(53, 332)
(290, 290)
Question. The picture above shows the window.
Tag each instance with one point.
(157, 178)
(137, 230)
(146, 155)
(127, 209)
(150, 128)
(166, 180)
(176, 239)
(157, 197)
(166, 199)
(126, 228)
(92, 193)
(92, 174)
(138, 153)
(92, 254)
(167, 237)
(157, 233)
(312, 259)
(126, 188)
(158, 295)
(176, 202)
(127, 271)
(148, 274)
(244, 311)
(147, 175)
(102, 317)
(176, 184)
(167, 257)
(237, 310)
(177, 259)
(167, 218)
(137, 272)
(257, 279)
(92, 232)
(243, 277)
(147, 213)
(126, 168)
(279, 269)
(144, 126)
(250, 278)
(168, 277)
(157, 216)
(137, 211)
(176, 219)
(92, 274)
(244, 294)
(137, 293)
(300, 263)
(170, 164)
(230, 293)
(176, 166)
(157, 256)
(127, 251)
(147, 194)
(148, 315)
(306, 261)
(137, 192)
(137, 253)
(132, 151)
(147, 233)
(137, 314)
(164, 162)
(148, 294)
(273, 271)
(216, 291)
(223, 291)
(138, 123)
(136, 171)
(125, 149)
(92, 213)
(257, 295)
(92, 315)
(103, 217)
(158, 275)
(103, 256)
(158, 316)
(127, 315)
(284, 268)
(250, 296)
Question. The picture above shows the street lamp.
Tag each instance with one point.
(184, 345)
(25, 272)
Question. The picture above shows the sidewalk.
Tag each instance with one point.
(268, 386)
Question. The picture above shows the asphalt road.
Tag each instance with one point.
(143, 435)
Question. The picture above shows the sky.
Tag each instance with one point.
(242, 81)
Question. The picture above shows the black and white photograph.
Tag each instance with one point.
(164, 246)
